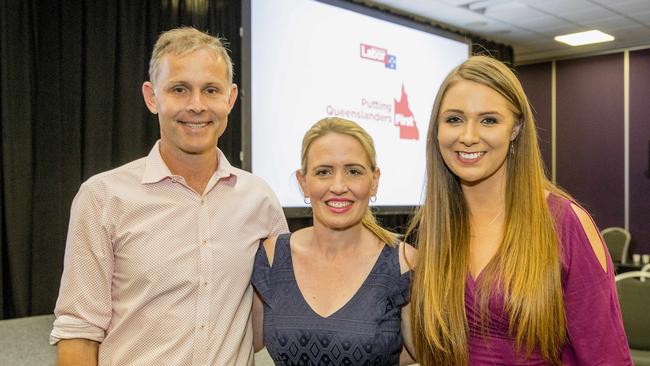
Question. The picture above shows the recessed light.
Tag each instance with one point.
(582, 38)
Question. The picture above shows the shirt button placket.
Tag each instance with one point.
(203, 290)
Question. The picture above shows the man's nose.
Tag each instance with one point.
(195, 103)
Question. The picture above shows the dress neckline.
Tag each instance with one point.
(350, 300)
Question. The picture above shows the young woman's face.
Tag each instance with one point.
(475, 127)
(339, 180)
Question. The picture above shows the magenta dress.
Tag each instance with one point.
(595, 328)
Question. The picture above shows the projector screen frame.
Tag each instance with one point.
(246, 100)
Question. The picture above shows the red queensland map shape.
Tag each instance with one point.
(404, 118)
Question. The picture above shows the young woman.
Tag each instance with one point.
(511, 270)
(333, 293)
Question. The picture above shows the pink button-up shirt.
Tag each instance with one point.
(160, 274)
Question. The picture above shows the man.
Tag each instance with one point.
(160, 251)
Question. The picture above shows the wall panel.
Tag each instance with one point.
(639, 151)
(590, 139)
(536, 80)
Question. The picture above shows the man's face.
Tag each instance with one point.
(192, 96)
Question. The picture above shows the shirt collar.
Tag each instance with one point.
(156, 169)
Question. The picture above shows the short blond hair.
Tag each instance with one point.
(184, 40)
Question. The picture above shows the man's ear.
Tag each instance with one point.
(149, 97)
(232, 98)
(515, 132)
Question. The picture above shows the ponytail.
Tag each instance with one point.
(370, 222)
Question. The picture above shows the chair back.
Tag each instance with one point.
(617, 240)
(646, 268)
(634, 296)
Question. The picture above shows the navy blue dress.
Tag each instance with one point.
(365, 331)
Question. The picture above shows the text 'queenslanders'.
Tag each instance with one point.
(369, 110)
(398, 114)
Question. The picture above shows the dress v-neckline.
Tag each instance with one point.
(474, 280)
(349, 301)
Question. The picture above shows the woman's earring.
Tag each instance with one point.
(307, 200)
(512, 148)
(373, 198)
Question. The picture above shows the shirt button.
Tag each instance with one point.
(205, 283)
(201, 326)
(202, 201)
(204, 242)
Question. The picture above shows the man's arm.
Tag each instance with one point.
(83, 308)
(76, 352)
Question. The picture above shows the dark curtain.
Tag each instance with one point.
(71, 107)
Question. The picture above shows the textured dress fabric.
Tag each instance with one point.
(594, 324)
(365, 331)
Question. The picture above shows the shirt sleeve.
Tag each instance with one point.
(83, 308)
(593, 315)
(278, 221)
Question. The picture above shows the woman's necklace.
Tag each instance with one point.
(495, 217)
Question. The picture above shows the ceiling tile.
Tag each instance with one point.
(585, 15)
(612, 24)
(641, 17)
(513, 10)
(559, 6)
(626, 7)
(557, 31)
(457, 2)
(386, 2)
(543, 23)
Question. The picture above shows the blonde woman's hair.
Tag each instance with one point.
(526, 267)
(345, 127)
(185, 40)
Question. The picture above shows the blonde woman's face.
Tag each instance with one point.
(475, 127)
(339, 181)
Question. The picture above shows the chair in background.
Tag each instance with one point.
(646, 268)
(617, 240)
(634, 296)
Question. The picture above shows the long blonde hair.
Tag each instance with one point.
(345, 127)
(526, 267)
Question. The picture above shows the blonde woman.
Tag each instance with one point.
(333, 293)
(511, 270)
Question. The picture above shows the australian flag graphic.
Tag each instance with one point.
(391, 62)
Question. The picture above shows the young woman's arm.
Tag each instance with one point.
(593, 316)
